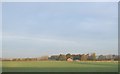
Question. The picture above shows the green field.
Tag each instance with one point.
(58, 66)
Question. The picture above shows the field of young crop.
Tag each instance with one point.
(58, 66)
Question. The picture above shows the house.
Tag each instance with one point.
(69, 60)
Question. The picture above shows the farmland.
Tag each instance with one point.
(58, 66)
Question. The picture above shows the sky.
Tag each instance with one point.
(0, 31)
(60, 0)
(34, 29)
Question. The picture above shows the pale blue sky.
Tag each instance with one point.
(0, 30)
(36, 29)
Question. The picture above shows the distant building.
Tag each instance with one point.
(69, 59)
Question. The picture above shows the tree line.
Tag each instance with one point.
(67, 57)
(82, 57)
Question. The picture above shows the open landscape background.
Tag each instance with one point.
(45, 29)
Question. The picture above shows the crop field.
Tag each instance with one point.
(58, 66)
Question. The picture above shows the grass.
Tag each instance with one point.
(58, 66)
